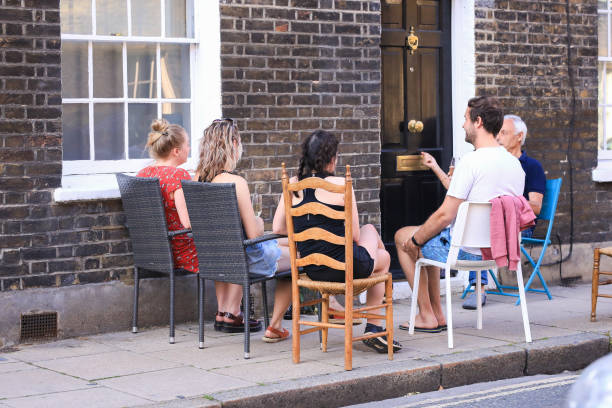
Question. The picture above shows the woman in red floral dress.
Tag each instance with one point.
(168, 144)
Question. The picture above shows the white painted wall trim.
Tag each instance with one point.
(463, 68)
(603, 172)
(205, 108)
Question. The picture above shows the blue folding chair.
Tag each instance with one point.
(547, 213)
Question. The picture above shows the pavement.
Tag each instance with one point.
(125, 370)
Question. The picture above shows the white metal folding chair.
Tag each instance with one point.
(472, 229)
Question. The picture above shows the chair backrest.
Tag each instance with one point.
(551, 197)
(146, 222)
(217, 230)
(472, 225)
(319, 233)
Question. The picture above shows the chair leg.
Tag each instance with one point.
(201, 290)
(136, 293)
(348, 328)
(295, 322)
(320, 316)
(325, 316)
(415, 295)
(519, 281)
(595, 283)
(247, 329)
(171, 339)
(449, 310)
(389, 322)
(478, 300)
(264, 297)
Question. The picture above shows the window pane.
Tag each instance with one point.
(602, 34)
(75, 131)
(600, 76)
(177, 113)
(600, 128)
(140, 116)
(74, 69)
(107, 71)
(141, 71)
(178, 19)
(75, 16)
(608, 84)
(146, 18)
(108, 131)
(175, 71)
(606, 141)
(111, 17)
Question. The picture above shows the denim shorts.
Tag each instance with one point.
(437, 248)
(263, 257)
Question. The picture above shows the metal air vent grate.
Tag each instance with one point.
(38, 326)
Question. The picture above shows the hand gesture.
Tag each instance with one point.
(428, 160)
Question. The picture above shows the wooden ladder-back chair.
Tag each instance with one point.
(350, 288)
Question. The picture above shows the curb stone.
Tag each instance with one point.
(398, 378)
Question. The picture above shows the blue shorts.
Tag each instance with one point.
(263, 257)
(437, 248)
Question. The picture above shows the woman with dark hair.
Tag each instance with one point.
(318, 159)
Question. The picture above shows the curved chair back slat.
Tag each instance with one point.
(551, 197)
(217, 230)
(146, 221)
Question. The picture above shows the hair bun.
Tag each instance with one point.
(160, 125)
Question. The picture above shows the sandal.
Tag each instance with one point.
(280, 335)
(339, 319)
(237, 324)
(219, 323)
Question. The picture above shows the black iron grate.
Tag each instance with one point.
(38, 326)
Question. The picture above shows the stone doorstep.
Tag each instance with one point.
(396, 379)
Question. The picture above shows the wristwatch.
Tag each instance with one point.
(414, 241)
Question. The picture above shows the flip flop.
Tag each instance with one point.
(281, 335)
(423, 329)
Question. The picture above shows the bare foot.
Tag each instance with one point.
(426, 322)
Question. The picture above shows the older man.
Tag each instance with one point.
(512, 136)
(481, 175)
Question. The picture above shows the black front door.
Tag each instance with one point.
(416, 111)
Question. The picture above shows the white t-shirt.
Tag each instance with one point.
(484, 174)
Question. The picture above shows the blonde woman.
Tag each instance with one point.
(220, 152)
(168, 144)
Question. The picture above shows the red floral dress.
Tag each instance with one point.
(183, 248)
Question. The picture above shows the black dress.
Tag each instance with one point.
(363, 264)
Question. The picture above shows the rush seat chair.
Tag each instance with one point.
(349, 288)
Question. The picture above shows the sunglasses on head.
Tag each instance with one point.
(230, 120)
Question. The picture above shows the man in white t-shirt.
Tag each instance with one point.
(481, 175)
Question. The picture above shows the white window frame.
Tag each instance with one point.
(95, 179)
(603, 171)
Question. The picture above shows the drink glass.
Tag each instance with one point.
(451, 166)
(256, 200)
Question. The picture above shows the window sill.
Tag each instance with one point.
(87, 187)
(603, 172)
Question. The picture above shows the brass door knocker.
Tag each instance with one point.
(412, 41)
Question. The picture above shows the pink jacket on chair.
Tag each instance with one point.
(509, 216)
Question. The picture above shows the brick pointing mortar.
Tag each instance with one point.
(521, 58)
(291, 67)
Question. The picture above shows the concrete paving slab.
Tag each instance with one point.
(16, 366)
(146, 340)
(271, 371)
(57, 350)
(106, 365)
(513, 332)
(174, 383)
(462, 342)
(98, 397)
(39, 381)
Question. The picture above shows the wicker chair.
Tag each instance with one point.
(219, 240)
(596, 282)
(350, 288)
(146, 221)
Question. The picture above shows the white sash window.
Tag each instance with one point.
(603, 172)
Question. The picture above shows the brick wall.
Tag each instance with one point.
(522, 58)
(293, 66)
(43, 243)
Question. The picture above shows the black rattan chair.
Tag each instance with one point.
(220, 242)
(146, 222)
